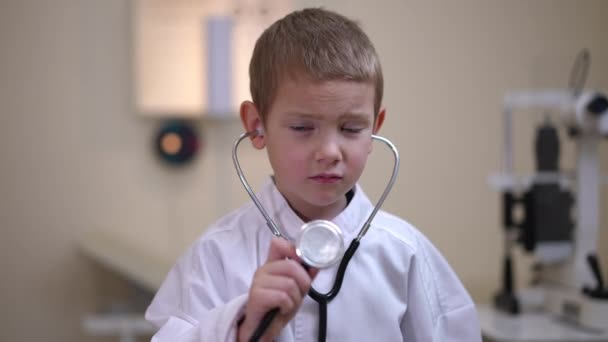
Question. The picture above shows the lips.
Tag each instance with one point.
(326, 178)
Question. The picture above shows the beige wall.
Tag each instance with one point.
(447, 66)
(76, 158)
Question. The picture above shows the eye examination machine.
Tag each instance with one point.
(554, 215)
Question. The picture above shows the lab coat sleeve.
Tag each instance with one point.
(218, 324)
(458, 325)
(439, 307)
(192, 304)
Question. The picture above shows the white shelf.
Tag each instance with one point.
(144, 268)
(126, 326)
(531, 327)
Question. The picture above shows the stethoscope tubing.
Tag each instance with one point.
(387, 189)
(269, 222)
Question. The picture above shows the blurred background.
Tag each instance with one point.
(91, 217)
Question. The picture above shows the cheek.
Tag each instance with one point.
(361, 160)
(287, 160)
(359, 156)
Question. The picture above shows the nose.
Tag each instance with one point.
(328, 149)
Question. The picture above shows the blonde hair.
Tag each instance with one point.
(315, 43)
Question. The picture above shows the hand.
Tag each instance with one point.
(282, 282)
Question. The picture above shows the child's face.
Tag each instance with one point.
(318, 137)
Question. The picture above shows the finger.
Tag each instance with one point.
(291, 269)
(268, 299)
(281, 249)
(284, 284)
(312, 272)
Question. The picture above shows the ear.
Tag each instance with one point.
(377, 124)
(379, 120)
(252, 121)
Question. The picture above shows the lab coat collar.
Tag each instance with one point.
(350, 220)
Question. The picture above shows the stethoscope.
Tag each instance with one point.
(319, 243)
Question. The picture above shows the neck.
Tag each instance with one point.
(309, 212)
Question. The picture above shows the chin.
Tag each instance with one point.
(326, 201)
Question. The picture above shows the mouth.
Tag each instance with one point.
(326, 178)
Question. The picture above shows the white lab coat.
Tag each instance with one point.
(397, 286)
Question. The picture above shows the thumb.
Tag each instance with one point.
(281, 249)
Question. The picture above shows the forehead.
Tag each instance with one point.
(304, 96)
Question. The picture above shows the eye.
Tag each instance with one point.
(352, 129)
(301, 128)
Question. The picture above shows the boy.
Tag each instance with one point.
(316, 86)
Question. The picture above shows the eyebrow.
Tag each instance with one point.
(314, 116)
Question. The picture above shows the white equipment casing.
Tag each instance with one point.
(563, 282)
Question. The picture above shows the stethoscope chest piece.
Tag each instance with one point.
(320, 243)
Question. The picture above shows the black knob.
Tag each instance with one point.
(599, 292)
(594, 264)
